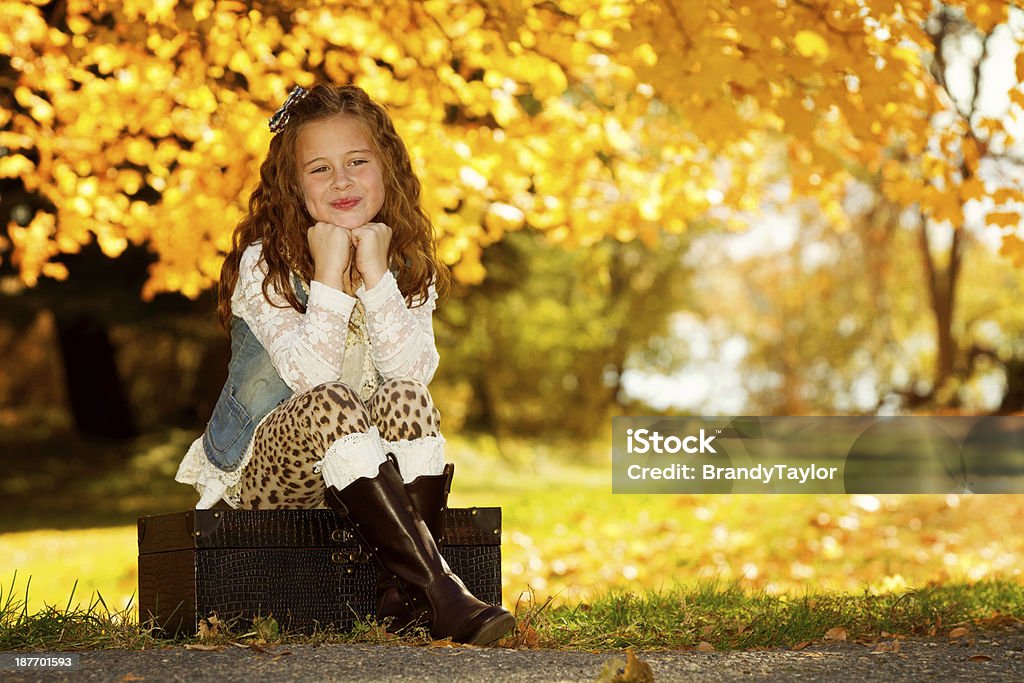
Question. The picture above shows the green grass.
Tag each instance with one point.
(72, 626)
(726, 617)
(733, 618)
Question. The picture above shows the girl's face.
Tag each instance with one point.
(341, 175)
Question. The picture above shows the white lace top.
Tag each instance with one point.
(385, 340)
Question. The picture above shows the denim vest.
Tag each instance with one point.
(252, 390)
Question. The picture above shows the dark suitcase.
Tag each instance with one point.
(300, 566)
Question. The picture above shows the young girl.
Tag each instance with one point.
(328, 292)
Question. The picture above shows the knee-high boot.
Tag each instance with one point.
(429, 495)
(387, 524)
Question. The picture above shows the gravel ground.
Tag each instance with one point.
(986, 657)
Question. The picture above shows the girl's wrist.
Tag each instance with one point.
(373, 275)
(330, 277)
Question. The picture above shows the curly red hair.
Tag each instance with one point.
(277, 210)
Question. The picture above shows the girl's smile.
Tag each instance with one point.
(346, 204)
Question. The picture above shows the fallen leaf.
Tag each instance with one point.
(705, 646)
(802, 645)
(707, 630)
(959, 632)
(127, 678)
(1000, 620)
(208, 628)
(886, 646)
(979, 658)
(266, 627)
(612, 669)
(636, 671)
(205, 648)
(525, 636)
(444, 642)
(836, 633)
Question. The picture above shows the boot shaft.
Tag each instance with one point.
(385, 520)
(429, 493)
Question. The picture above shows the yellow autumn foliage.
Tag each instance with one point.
(144, 122)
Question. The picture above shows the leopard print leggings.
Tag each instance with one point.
(297, 433)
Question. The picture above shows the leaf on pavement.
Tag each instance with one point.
(836, 633)
(959, 632)
(443, 642)
(705, 646)
(886, 646)
(979, 658)
(612, 669)
(632, 670)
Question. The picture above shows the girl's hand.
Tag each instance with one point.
(331, 248)
(372, 241)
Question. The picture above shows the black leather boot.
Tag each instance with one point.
(387, 524)
(429, 495)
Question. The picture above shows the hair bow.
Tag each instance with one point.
(281, 116)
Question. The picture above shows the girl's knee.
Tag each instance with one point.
(403, 409)
(404, 391)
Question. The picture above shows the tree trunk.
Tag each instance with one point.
(942, 294)
(1013, 399)
(96, 395)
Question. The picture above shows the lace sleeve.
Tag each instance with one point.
(401, 338)
(306, 349)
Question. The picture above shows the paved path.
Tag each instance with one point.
(991, 657)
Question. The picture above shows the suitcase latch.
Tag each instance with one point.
(340, 557)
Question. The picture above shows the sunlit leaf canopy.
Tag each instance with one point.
(144, 122)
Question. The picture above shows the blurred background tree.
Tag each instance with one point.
(542, 343)
(914, 310)
(578, 159)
